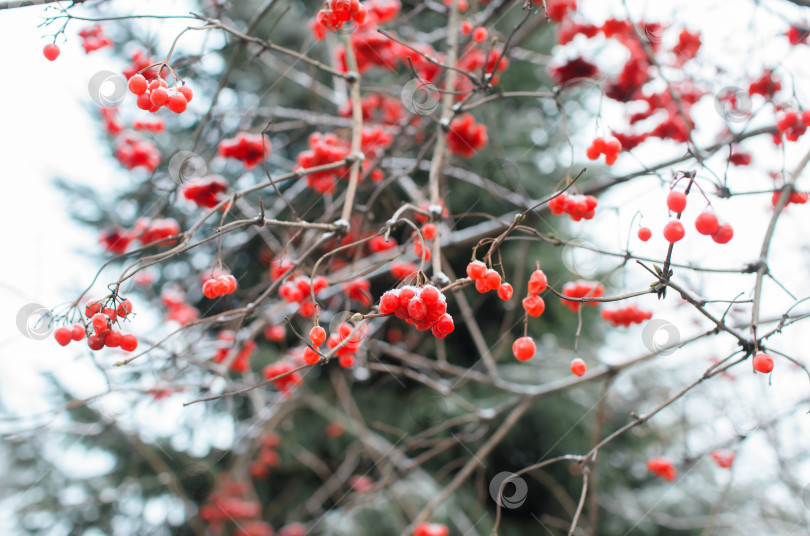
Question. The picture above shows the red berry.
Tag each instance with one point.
(480, 34)
(429, 231)
(578, 367)
(144, 101)
(346, 360)
(177, 103)
(95, 342)
(227, 282)
(124, 308)
(523, 348)
(723, 234)
(706, 223)
(113, 339)
(311, 356)
(481, 285)
(389, 302)
(673, 231)
(100, 322)
(476, 270)
(51, 52)
(534, 305)
(676, 201)
(317, 335)
(505, 291)
(186, 92)
(466, 28)
(138, 84)
(78, 333)
(159, 96)
(493, 279)
(129, 342)
(444, 324)
(63, 336)
(429, 294)
(763, 363)
(417, 309)
(209, 289)
(644, 234)
(538, 282)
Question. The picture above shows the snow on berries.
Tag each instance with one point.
(324, 149)
(248, 148)
(662, 467)
(763, 363)
(610, 147)
(624, 316)
(424, 307)
(285, 377)
(338, 12)
(99, 329)
(206, 192)
(505, 291)
(578, 367)
(581, 289)
(218, 286)
(578, 207)
(523, 348)
(465, 137)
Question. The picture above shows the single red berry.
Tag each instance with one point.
(129, 342)
(676, 201)
(466, 28)
(177, 103)
(493, 279)
(538, 282)
(706, 223)
(306, 309)
(63, 336)
(95, 342)
(481, 285)
(389, 302)
(644, 234)
(51, 52)
(138, 84)
(159, 96)
(476, 270)
(417, 309)
(311, 356)
(186, 92)
(100, 322)
(444, 324)
(317, 335)
(505, 291)
(480, 34)
(113, 339)
(673, 231)
(209, 289)
(124, 308)
(578, 367)
(763, 363)
(78, 333)
(429, 294)
(229, 282)
(723, 234)
(144, 101)
(523, 348)
(534, 305)
(429, 231)
(346, 360)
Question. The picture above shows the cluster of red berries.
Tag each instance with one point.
(151, 231)
(358, 290)
(534, 304)
(610, 147)
(338, 12)
(706, 223)
(479, 35)
(662, 467)
(177, 309)
(723, 458)
(112, 123)
(152, 126)
(228, 504)
(487, 279)
(51, 51)
(133, 151)
(581, 289)
(792, 125)
(556, 10)
(763, 363)
(214, 287)
(465, 136)
(377, 107)
(424, 307)
(241, 362)
(102, 320)
(249, 148)
(431, 529)
(324, 149)
(624, 316)
(156, 94)
(141, 64)
(206, 192)
(298, 291)
(578, 207)
(94, 38)
(288, 379)
(345, 336)
(266, 459)
(797, 198)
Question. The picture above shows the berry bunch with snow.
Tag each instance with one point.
(424, 307)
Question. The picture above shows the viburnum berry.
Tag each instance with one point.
(431, 529)
(673, 231)
(624, 316)
(159, 96)
(706, 223)
(219, 286)
(581, 289)
(578, 367)
(311, 356)
(51, 52)
(534, 305)
(662, 467)
(466, 28)
(476, 270)
(523, 348)
(275, 333)
(538, 282)
(401, 270)
(63, 336)
(723, 458)
(101, 322)
(113, 339)
(676, 201)
(186, 92)
(763, 363)
(505, 291)
(95, 342)
(465, 137)
(177, 103)
(610, 147)
(78, 332)
(425, 307)
(317, 335)
(124, 308)
(493, 279)
(480, 34)
(723, 234)
(644, 234)
(578, 207)
(137, 84)
(129, 342)
(429, 231)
